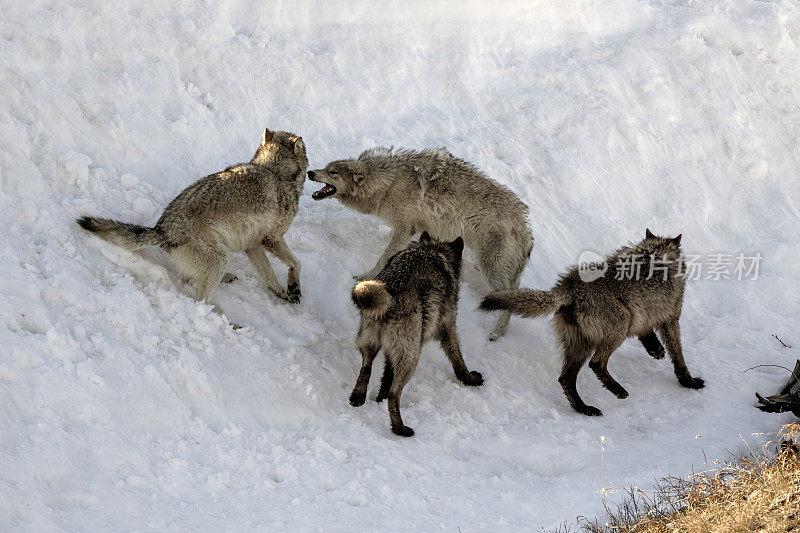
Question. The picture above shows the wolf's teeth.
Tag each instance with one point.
(327, 190)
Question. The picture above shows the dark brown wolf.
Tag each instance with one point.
(410, 302)
(595, 317)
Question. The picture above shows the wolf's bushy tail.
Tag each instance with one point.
(372, 295)
(524, 302)
(128, 236)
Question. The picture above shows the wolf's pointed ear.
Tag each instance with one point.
(298, 146)
(357, 171)
(267, 137)
(647, 234)
(425, 237)
(458, 245)
(677, 240)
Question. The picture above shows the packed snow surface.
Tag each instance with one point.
(126, 405)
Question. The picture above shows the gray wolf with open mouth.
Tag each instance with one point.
(434, 191)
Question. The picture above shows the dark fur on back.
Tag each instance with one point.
(411, 301)
(593, 318)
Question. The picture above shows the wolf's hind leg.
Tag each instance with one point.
(652, 345)
(501, 272)
(599, 364)
(208, 280)
(404, 361)
(203, 265)
(359, 393)
(498, 281)
(448, 338)
(575, 351)
(280, 249)
(265, 272)
(671, 334)
(500, 327)
(386, 381)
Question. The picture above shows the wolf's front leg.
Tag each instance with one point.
(279, 248)
(398, 240)
(265, 272)
(450, 345)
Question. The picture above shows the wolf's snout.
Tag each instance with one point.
(325, 191)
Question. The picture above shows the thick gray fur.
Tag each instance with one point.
(411, 301)
(245, 208)
(592, 319)
(434, 191)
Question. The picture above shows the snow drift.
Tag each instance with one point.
(124, 404)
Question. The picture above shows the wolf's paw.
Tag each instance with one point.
(357, 398)
(589, 410)
(691, 383)
(380, 397)
(229, 277)
(474, 379)
(619, 392)
(615, 388)
(404, 431)
(280, 293)
(293, 292)
(657, 353)
(283, 295)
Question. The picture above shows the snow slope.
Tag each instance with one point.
(126, 405)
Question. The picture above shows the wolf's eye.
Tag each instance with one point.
(333, 173)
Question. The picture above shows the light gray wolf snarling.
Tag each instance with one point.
(597, 316)
(436, 192)
(411, 301)
(245, 208)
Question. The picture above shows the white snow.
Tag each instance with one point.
(126, 405)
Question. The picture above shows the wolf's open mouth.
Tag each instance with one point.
(324, 192)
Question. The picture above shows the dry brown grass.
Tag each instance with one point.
(758, 492)
(753, 493)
